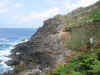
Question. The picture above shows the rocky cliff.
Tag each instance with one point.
(46, 48)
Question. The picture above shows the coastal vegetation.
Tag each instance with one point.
(82, 34)
(95, 15)
(87, 62)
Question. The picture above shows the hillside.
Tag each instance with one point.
(55, 42)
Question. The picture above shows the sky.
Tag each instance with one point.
(32, 13)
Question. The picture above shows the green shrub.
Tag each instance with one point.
(95, 15)
(86, 64)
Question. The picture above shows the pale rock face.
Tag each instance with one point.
(34, 72)
(91, 40)
(18, 53)
(64, 36)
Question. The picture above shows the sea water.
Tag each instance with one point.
(9, 37)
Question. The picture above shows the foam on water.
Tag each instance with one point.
(5, 53)
(8, 39)
(4, 57)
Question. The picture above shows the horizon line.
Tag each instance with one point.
(17, 28)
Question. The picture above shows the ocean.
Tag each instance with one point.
(9, 37)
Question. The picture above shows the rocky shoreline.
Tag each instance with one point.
(44, 50)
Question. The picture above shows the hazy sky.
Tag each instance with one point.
(31, 13)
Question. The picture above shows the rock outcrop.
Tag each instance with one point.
(45, 48)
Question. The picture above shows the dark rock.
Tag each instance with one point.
(0, 61)
(11, 63)
(44, 47)
(9, 73)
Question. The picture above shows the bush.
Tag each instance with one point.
(86, 64)
(95, 15)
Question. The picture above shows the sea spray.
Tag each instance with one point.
(8, 39)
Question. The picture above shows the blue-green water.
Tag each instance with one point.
(8, 38)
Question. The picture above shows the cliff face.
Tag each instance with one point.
(46, 47)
